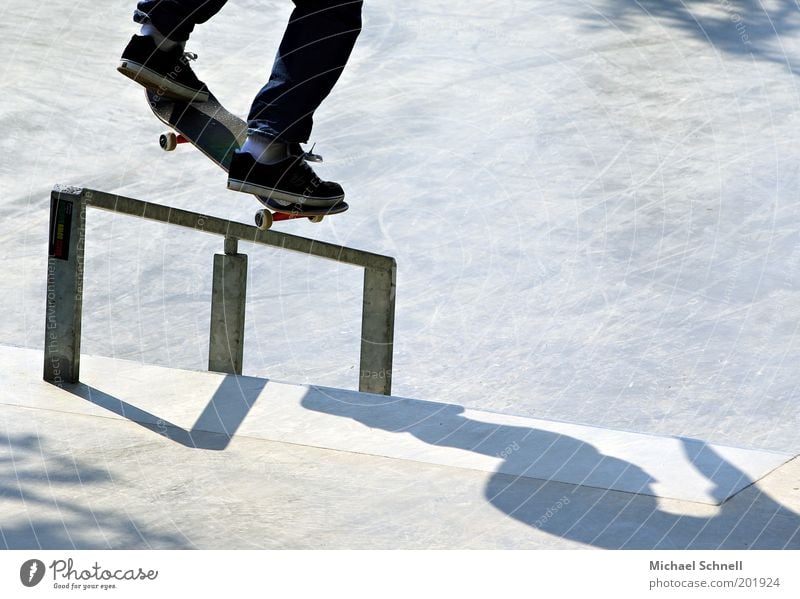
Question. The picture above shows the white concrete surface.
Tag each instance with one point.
(189, 403)
(593, 204)
(80, 470)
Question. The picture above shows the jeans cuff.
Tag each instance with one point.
(265, 132)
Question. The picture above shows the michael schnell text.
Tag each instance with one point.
(697, 565)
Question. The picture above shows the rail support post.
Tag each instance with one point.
(62, 338)
(377, 329)
(228, 294)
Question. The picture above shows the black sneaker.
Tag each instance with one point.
(295, 149)
(290, 181)
(165, 71)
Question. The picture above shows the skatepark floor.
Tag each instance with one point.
(149, 457)
(593, 206)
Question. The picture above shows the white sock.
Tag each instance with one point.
(161, 41)
(264, 149)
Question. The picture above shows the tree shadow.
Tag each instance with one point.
(43, 481)
(631, 517)
(37, 480)
(735, 27)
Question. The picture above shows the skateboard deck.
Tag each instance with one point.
(217, 133)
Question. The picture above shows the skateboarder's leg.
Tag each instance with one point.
(314, 50)
(155, 58)
(175, 19)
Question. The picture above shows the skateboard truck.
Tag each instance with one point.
(274, 211)
(169, 140)
(264, 218)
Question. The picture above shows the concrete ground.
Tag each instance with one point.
(92, 466)
(593, 204)
(594, 209)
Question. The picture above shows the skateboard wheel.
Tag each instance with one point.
(263, 219)
(316, 219)
(168, 141)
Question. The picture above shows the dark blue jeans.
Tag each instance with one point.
(314, 50)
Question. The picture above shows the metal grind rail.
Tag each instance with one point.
(65, 269)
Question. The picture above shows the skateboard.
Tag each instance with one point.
(217, 133)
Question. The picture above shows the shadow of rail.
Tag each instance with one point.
(225, 411)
